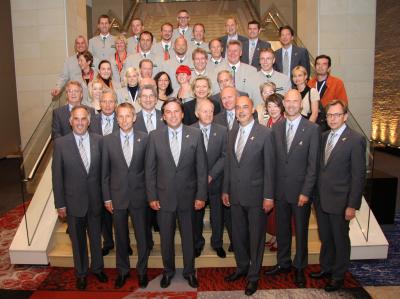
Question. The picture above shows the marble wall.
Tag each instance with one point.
(43, 36)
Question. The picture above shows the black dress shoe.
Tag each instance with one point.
(130, 251)
(334, 285)
(121, 279)
(220, 252)
(277, 270)
(230, 248)
(106, 250)
(234, 276)
(165, 281)
(192, 281)
(320, 275)
(300, 279)
(156, 228)
(143, 281)
(81, 283)
(101, 276)
(251, 288)
(197, 252)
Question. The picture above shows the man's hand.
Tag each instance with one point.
(199, 204)
(225, 199)
(350, 213)
(155, 205)
(55, 91)
(210, 179)
(302, 200)
(109, 206)
(268, 205)
(62, 212)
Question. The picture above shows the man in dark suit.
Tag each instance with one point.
(61, 116)
(231, 26)
(249, 190)
(290, 55)
(76, 170)
(296, 147)
(124, 193)
(214, 136)
(340, 185)
(227, 116)
(176, 184)
(253, 45)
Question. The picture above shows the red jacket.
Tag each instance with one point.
(334, 90)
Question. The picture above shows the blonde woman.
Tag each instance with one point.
(96, 88)
(130, 88)
(266, 89)
(118, 60)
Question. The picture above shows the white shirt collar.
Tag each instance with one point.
(123, 134)
(152, 112)
(163, 43)
(214, 60)
(179, 59)
(106, 36)
(267, 73)
(340, 130)
(237, 65)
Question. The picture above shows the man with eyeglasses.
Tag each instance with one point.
(183, 29)
(61, 125)
(341, 182)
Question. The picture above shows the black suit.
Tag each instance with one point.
(296, 173)
(176, 187)
(248, 182)
(299, 57)
(224, 42)
(60, 124)
(80, 192)
(96, 126)
(189, 108)
(256, 56)
(125, 186)
(216, 153)
(340, 185)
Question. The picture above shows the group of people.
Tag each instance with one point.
(156, 136)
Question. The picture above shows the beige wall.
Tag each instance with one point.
(286, 7)
(43, 34)
(307, 24)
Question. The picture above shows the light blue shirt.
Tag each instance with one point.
(289, 51)
(179, 135)
(247, 130)
(85, 142)
(153, 117)
(104, 121)
(295, 124)
(122, 136)
(338, 134)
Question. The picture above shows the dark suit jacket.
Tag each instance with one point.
(217, 98)
(60, 124)
(95, 124)
(189, 109)
(224, 40)
(251, 180)
(256, 57)
(123, 184)
(341, 181)
(296, 171)
(140, 123)
(73, 187)
(222, 120)
(216, 153)
(299, 57)
(176, 187)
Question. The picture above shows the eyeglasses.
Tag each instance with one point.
(334, 115)
(144, 97)
(163, 80)
(183, 18)
(73, 91)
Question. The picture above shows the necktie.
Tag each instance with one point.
(329, 147)
(240, 145)
(84, 157)
(230, 120)
(180, 60)
(149, 123)
(104, 40)
(205, 137)
(107, 127)
(251, 51)
(175, 150)
(216, 62)
(198, 44)
(268, 76)
(126, 149)
(137, 48)
(289, 136)
(144, 55)
(286, 63)
(234, 75)
(183, 32)
(166, 53)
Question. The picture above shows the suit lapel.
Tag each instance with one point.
(297, 139)
(249, 142)
(76, 149)
(116, 136)
(184, 143)
(339, 144)
(159, 119)
(283, 128)
(165, 140)
(293, 59)
(136, 144)
(234, 137)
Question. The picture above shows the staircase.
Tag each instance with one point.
(61, 253)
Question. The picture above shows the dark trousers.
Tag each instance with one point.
(284, 212)
(107, 229)
(77, 229)
(139, 221)
(151, 222)
(248, 232)
(335, 242)
(167, 223)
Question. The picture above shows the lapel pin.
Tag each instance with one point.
(301, 142)
(302, 129)
(295, 54)
(215, 134)
(344, 139)
(138, 140)
(252, 138)
(187, 136)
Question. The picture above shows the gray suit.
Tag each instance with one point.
(188, 34)
(176, 188)
(116, 75)
(132, 45)
(299, 57)
(102, 49)
(158, 50)
(141, 125)
(125, 186)
(340, 185)
(296, 173)
(71, 69)
(224, 42)
(60, 123)
(256, 56)
(80, 192)
(216, 153)
(134, 60)
(96, 126)
(248, 182)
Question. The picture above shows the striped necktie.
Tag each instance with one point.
(289, 136)
(240, 145)
(107, 127)
(149, 123)
(329, 146)
(175, 149)
(83, 154)
(126, 149)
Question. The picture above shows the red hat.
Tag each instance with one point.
(183, 69)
